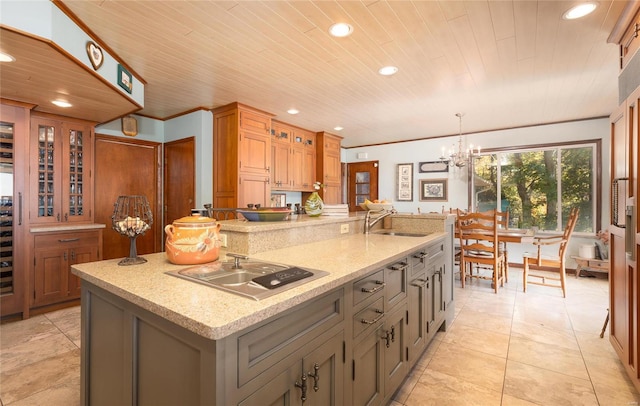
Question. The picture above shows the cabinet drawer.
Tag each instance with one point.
(75, 239)
(420, 259)
(369, 286)
(395, 279)
(265, 346)
(370, 316)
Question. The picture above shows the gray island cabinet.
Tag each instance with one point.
(348, 338)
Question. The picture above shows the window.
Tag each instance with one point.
(539, 186)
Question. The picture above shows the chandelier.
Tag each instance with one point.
(461, 157)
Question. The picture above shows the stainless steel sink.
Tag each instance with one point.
(237, 277)
(402, 234)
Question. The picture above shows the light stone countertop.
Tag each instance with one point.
(215, 314)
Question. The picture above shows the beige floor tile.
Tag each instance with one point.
(38, 376)
(439, 389)
(542, 334)
(594, 346)
(609, 372)
(608, 396)
(64, 394)
(470, 366)
(68, 322)
(480, 340)
(545, 387)
(485, 321)
(33, 329)
(35, 351)
(508, 400)
(552, 317)
(548, 356)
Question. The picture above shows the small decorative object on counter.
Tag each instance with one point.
(314, 204)
(131, 217)
(193, 240)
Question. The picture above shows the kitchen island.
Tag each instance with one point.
(151, 338)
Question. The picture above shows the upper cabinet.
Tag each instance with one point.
(293, 157)
(61, 159)
(241, 156)
(329, 170)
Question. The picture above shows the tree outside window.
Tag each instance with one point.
(539, 186)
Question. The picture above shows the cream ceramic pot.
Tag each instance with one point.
(192, 240)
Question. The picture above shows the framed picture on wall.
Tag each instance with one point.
(278, 200)
(433, 166)
(404, 183)
(433, 190)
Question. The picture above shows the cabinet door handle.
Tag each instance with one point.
(68, 239)
(374, 321)
(73, 255)
(377, 288)
(303, 386)
(19, 208)
(315, 375)
(66, 217)
(65, 256)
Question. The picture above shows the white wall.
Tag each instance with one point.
(198, 124)
(430, 150)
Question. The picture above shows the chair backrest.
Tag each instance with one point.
(503, 220)
(568, 230)
(478, 233)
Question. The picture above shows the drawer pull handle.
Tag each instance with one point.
(399, 267)
(374, 321)
(68, 239)
(419, 282)
(377, 288)
(303, 387)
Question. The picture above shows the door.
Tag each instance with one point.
(362, 181)
(14, 130)
(179, 179)
(50, 278)
(325, 373)
(80, 255)
(127, 167)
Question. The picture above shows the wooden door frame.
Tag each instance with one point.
(157, 227)
(164, 172)
(376, 164)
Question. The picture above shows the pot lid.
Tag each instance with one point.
(195, 220)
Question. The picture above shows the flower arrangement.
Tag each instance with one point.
(603, 235)
(318, 185)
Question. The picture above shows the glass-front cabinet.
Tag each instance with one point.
(60, 192)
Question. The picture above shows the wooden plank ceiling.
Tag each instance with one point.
(502, 63)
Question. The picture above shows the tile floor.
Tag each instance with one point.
(512, 348)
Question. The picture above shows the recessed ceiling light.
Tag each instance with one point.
(61, 103)
(338, 128)
(580, 10)
(340, 30)
(5, 57)
(388, 70)
(293, 111)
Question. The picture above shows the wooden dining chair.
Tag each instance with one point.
(503, 224)
(555, 261)
(480, 246)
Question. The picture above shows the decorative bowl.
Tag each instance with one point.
(376, 206)
(266, 214)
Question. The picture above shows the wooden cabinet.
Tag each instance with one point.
(624, 224)
(293, 158)
(329, 169)
(241, 156)
(54, 253)
(14, 145)
(61, 165)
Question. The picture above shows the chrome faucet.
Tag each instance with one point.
(370, 222)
